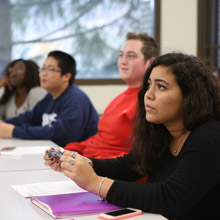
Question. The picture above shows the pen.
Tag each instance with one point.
(56, 154)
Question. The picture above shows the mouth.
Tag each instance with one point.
(43, 81)
(124, 69)
(149, 108)
(13, 79)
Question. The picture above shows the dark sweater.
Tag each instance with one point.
(182, 187)
(71, 117)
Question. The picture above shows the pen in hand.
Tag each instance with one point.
(56, 154)
(60, 155)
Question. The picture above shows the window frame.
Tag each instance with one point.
(206, 47)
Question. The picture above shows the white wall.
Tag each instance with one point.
(178, 32)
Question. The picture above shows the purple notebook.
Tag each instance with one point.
(72, 204)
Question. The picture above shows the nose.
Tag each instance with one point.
(149, 94)
(42, 74)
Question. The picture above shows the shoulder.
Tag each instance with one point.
(37, 90)
(76, 93)
(211, 127)
(206, 137)
(129, 95)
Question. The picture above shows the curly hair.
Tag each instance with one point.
(31, 80)
(202, 93)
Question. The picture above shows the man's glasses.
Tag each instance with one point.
(49, 70)
(18, 71)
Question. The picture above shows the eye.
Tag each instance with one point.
(42, 69)
(161, 87)
(149, 85)
(130, 56)
(51, 69)
(120, 55)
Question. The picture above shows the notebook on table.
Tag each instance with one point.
(73, 204)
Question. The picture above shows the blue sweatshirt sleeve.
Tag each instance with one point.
(71, 118)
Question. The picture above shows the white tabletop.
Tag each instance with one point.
(22, 143)
(26, 162)
(30, 169)
(15, 206)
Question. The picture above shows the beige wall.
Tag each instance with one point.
(179, 26)
(178, 33)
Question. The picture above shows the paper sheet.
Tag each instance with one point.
(47, 188)
(20, 151)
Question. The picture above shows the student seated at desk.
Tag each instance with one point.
(177, 143)
(19, 88)
(66, 114)
(115, 126)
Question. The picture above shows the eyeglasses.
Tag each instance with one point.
(18, 71)
(49, 70)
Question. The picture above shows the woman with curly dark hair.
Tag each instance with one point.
(177, 143)
(20, 87)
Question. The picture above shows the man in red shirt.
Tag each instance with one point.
(115, 126)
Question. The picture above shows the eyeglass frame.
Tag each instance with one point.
(18, 71)
(48, 70)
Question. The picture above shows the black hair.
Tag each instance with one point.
(66, 63)
(31, 79)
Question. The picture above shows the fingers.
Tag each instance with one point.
(71, 161)
(5, 82)
(51, 159)
(70, 153)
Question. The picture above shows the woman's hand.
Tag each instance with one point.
(4, 82)
(53, 161)
(77, 168)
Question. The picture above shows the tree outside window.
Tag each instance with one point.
(90, 30)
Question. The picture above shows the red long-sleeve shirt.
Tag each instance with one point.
(114, 129)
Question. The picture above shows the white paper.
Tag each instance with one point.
(47, 188)
(20, 151)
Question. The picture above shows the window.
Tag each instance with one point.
(90, 30)
(209, 32)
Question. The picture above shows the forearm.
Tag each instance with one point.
(118, 168)
(100, 186)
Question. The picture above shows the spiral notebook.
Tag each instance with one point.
(73, 204)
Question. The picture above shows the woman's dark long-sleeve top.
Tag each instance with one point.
(182, 187)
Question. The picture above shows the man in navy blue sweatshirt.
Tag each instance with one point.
(65, 114)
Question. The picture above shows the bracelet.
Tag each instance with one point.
(100, 185)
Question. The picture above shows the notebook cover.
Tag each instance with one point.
(76, 204)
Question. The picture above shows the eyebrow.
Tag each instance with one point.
(121, 51)
(160, 80)
(50, 65)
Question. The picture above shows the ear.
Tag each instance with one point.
(149, 61)
(67, 76)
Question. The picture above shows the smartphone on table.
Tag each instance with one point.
(120, 214)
